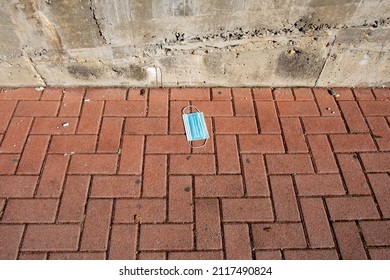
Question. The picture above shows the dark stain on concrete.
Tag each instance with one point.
(213, 63)
(184, 8)
(83, 72)
(137, 73)
(296, 63)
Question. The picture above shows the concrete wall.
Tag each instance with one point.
(195, 43)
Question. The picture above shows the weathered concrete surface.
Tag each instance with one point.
(194, 43)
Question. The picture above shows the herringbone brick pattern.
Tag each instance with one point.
(108, 174)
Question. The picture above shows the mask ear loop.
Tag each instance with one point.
(190, 143)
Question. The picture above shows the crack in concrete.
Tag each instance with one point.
(100, 30)
(40, 76)
(326, 60)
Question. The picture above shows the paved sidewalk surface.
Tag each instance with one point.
(108, 174)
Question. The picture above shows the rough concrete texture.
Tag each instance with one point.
(152, 43)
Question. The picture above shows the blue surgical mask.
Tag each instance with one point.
(195, 126)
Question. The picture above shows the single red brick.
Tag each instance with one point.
(90, 118)
(227, 154)
(51, 238)
(380, 132)
(175, 117)
(208, 227)
(302, 94)
(10, 237)
(97, 225)
(115, 186)
(125, 109)
(132, 155)
(30, 210)
(110, 135)
(379, 253)
(170, 237)
(16, 135)
(376, 162)
(6, 109)
(140, 210)
(262, 94)
(345, 94)
(71, 102)
(196, 255)
(146, 126)
(167, 144)
(17, 186)
(376, 233)
(243, 103)
(219, 186)
(8, 163)
(323, 125)
(180, 206)
(137, 94)
(351, 208)
(123, 242)
(52, 94)
(237, 242)
(247, 210)
(93, 164)
(214, 108)
(20, 94)
(154, 176)
(278, 235)
(293, 135)
(353, 116)
(106, 94)
(158, 102)
(37, 109)
(326, 102)
(190, 94)
(310, 254)
(284, 198)
(192, 164)
(352, 143)
(267, 117)
(283, 94)
(53, 176)
(68, 144)
(261, 144)
(375, 108)
(289, 164)
(353, 174)
(221, 94)
(33, 154)
(363, 94)
(380, 184)
(73, 199)
(151, 256)
(255, 175)
(316, 222)
(319, 184)
(322, 154)
(54, 126)
(381, 93)
(78, 256)
(297, 108)
(268, 255)
(349, 241)
(235, 125)
(32, 256)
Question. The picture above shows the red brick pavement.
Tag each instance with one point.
(108, 174)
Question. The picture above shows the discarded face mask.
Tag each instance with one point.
(195, 126)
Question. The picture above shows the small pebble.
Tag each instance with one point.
(65, 124)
